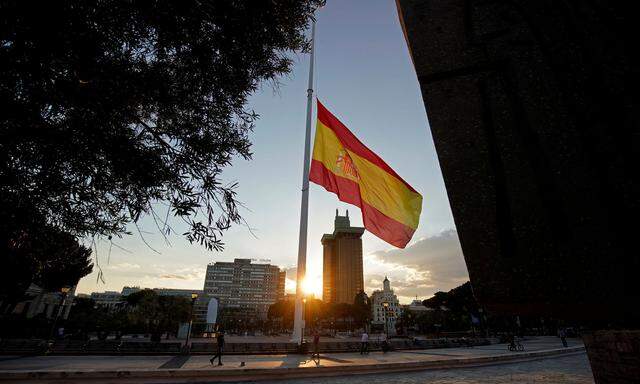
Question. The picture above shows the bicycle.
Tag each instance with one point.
(515, 345)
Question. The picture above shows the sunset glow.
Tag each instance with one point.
(312, 285)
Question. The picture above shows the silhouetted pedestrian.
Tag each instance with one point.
(364, 343)
(220, 340)
(316, 345)
(386, 347)
(563, 336)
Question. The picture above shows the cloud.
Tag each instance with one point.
(429, 265)
(122, 266)
(292, 273)
(195, 274)
(146, 275)
(173, 276)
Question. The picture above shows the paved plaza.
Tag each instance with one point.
(573, 369)
(249, 367)
(96, 362)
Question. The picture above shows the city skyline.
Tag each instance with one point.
(126, 290)
(355, 48)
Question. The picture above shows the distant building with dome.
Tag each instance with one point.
(393, 309)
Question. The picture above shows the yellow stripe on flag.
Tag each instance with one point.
(378, 188)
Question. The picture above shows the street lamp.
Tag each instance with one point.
(385, 305)
(64, 291)
(194, 297)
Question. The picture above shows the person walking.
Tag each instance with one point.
(385, 344)
(563, 336)
(364, 343)
(316, 345)
(220, 340)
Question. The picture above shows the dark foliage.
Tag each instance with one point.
(62, 262)
(154, 313)
(361, 309)
(459, 299)
(85, 317)
(318, 314)
(144, 312)
(282, 311)
(110, 106)
(239, 320)
(452, 310)
(49, 258)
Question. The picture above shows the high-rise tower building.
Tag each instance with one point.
(342, 262)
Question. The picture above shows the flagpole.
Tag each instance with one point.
(298, 324)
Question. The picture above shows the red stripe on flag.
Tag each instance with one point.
(386, 228)
(376, 222)
(349, 140)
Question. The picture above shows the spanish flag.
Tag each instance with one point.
(343, 165)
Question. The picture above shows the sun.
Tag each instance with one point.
(312, 285)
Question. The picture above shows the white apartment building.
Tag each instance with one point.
(109, 299)
(243, 285)
(114, 300)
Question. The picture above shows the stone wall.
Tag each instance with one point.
(533, 108)
(534, 115)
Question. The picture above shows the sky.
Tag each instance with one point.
(364, 75)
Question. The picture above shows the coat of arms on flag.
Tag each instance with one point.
(345, 167)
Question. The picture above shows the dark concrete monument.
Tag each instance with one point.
(533, 108)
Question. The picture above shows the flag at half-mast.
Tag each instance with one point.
(343, 165)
